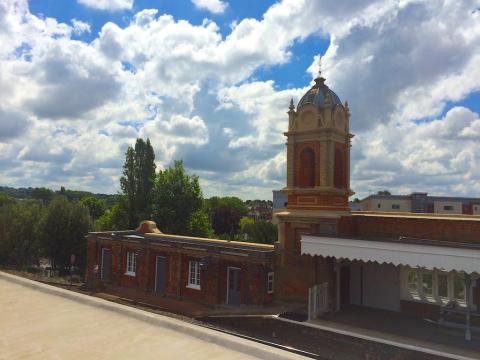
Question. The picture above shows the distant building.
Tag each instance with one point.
(421, 203)
(280, 199)
(355, 205)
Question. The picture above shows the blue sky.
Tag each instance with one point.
(209, 82)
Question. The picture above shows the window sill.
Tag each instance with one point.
(130, 274)
(194, 287)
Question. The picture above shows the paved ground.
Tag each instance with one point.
(39, 325)
(404, 328)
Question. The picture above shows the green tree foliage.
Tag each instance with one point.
(73, 195)
(263, 232)
(384, 192)
(225, 214)
(20, 233)
(96, 207)
(5, 199)
(115, 218)
(63, 231)
(138, 180)
(178, 203)
(199, 225)
(43, 194)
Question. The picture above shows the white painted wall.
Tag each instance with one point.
(381, 285)
(386, 205)
(439, 207)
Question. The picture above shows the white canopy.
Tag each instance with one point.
(396, 253)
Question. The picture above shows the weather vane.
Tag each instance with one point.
(319, 65)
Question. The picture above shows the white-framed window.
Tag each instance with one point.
(434, 286)
(194, 275)
(270, 282)
(131, 263)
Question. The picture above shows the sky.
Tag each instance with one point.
(209, 82)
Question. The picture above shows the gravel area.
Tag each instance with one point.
(325, 345)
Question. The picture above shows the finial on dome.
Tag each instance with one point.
(319, 79)
(291, 107)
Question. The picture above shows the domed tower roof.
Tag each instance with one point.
(318, 93)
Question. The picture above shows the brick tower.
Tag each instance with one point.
(318, 151)
(318, 188)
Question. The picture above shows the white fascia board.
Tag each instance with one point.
(396, 253)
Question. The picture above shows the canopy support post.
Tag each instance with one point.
(468, 335)
(338, 267)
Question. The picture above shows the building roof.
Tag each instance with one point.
(428, 255)
(429, 197)
(318, 93)
(190, 242)
(430, 216)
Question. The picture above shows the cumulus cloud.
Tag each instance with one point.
(214, 6)
(80, 27)
(437, 157)
(111, 5)
(12, 124)
(191, 89)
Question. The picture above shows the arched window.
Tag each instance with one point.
(339, 170)
(307, 168)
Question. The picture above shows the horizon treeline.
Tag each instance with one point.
(41, 223)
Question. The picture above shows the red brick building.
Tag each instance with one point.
(209, 271)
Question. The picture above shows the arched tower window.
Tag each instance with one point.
(307, 168)
(339, 170)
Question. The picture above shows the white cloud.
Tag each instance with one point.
(438, 157)
(214, 6)
(110, 5)
(74, 106)
(80, 27)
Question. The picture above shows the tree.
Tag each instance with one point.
(128, 185)
(96, 207)
(225, 214)
(199, 225)
(384, 192)
(178, 202)
(43, 194)
(63, 232)
(138, 180)
(115, 218)
(5, 199)
(263, 232)
(19, 233)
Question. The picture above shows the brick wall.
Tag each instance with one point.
(376, 227)
(213, 276)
